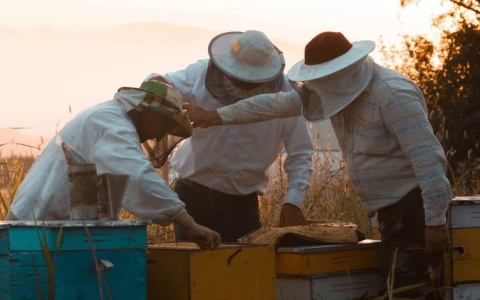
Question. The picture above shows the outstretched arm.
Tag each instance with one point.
(254, 109)
(202, 118)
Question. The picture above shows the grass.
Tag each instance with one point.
(329, 197)
(12, 172)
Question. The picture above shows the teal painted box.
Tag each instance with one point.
(4, 262)
(78, 259)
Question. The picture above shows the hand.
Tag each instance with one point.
(291, 215)
(202, 118)
(436, 239)
(204, 237)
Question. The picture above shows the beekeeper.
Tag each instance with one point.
(223, 170)
(109, 135)
(395, 162)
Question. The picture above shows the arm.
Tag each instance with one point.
(298, 166)
(425, 153)
(147, 195)
(255, 109)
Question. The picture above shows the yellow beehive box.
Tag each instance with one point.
(463, 260)
(309, 260)
(358, 284)
(231, 271)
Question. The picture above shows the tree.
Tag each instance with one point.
(448, 72)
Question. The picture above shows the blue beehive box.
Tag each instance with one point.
(78, 259)
(4, 265)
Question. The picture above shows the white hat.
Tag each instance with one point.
(336, 72)
(328, 53)
(248, 56)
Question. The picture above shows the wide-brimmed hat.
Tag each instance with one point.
(165, 100)
(328, 53)
(168, 102)
(248, 56)
(333, 73)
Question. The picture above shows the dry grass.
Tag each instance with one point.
(329, 197)
(12, 172)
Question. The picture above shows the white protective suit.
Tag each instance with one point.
(105, 136)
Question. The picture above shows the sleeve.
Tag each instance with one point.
(298, 163)
(261, 108)
(186, 80)
(405, 117)
(147, 195)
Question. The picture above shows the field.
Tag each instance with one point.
(330, 196)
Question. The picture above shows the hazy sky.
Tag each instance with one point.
(58, 57)
(297, 21)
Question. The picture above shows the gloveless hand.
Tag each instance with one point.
(436, 239)
(202, 118)
(291, 215)
(204, 237)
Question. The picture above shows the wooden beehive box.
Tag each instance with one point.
(308, 260)
(358, 284)
(91, 259)
(231, 271)
(463, 261)
(337, 271)
(4, 262)
(466, 291)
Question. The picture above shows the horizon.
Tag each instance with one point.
(64, 56)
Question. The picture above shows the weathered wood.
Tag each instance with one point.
(317, 231)
(76, 249)
(232, 271)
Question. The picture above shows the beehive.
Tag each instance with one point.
(4, 262)
(231, 271)
(466, 291)
(463, 261)
(89, 259)
(339, 271)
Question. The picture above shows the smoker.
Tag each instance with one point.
(93, 255)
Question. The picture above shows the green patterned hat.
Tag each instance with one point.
(166, 100)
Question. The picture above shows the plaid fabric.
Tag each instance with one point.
(168, 102)
(159, 105)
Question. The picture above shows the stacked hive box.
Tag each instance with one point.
(78, 259)
(4, 262)
(343, 271)
(231, 271)
(462, 268)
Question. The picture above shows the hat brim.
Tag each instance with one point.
(220, 52)
(324, 107)
(302, 72)
(183, 126)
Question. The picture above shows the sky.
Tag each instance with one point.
(58, 57)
